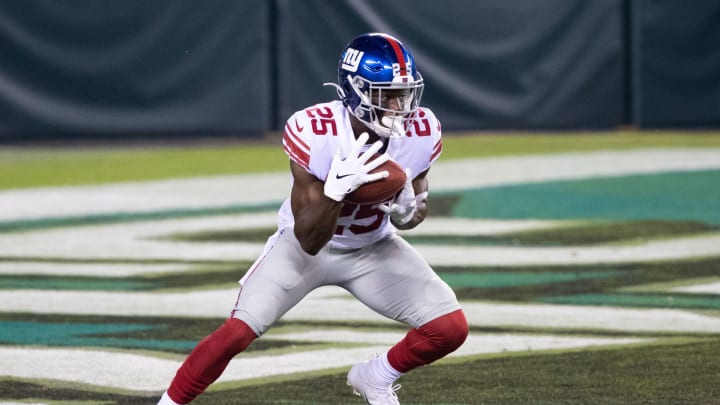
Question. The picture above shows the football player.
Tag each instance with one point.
(322, 240)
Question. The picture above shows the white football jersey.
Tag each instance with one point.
(314, 134)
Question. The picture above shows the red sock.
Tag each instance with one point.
(208, 360)
(432, 341)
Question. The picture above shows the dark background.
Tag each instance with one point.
(131, 68)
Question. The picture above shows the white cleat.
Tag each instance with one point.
(358, 379)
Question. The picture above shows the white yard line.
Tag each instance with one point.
(496, 314)
(144, 241)
(334, 304)
(23, 403)
(139, 240)
(203, 303)
(476, 173)
(89, 269)
(434, 225)
(200, 192)
(710, 288)
(222, 191)
(674, 249)
(144, 373)
(478, 343)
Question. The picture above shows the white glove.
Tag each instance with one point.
(402, 208)
(352, 170)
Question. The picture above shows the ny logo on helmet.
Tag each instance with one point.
(352, 59)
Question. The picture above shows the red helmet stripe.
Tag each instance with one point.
(398, 54)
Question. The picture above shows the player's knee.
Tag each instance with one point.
(457, 331)
(237, 334)
(449, 331)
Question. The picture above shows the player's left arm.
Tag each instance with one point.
(420, 182)
(410, 206)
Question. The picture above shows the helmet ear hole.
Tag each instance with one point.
(358, 83)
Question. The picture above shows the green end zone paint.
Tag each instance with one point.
(85, 334)
(683, 196)
(519, 278)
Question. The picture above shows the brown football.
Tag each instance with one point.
(382, 190)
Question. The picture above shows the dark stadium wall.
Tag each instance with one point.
(488, 64)
(87, 68)
(93, 69)
(675, 51)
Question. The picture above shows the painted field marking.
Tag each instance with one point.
(334, 304)
(709, 288)
(90, 269)
(147, 241)
(144, 373)
(222, 191)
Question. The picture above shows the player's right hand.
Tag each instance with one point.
(350, 170)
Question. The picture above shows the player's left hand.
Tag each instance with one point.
(402, 208)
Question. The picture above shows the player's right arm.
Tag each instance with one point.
(315, 214)
(316, 204)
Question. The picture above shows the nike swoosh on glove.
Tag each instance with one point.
(351, 171)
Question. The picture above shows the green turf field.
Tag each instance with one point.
(38, 166)
(663, 309)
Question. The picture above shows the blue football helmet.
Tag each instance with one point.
(379, 83)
